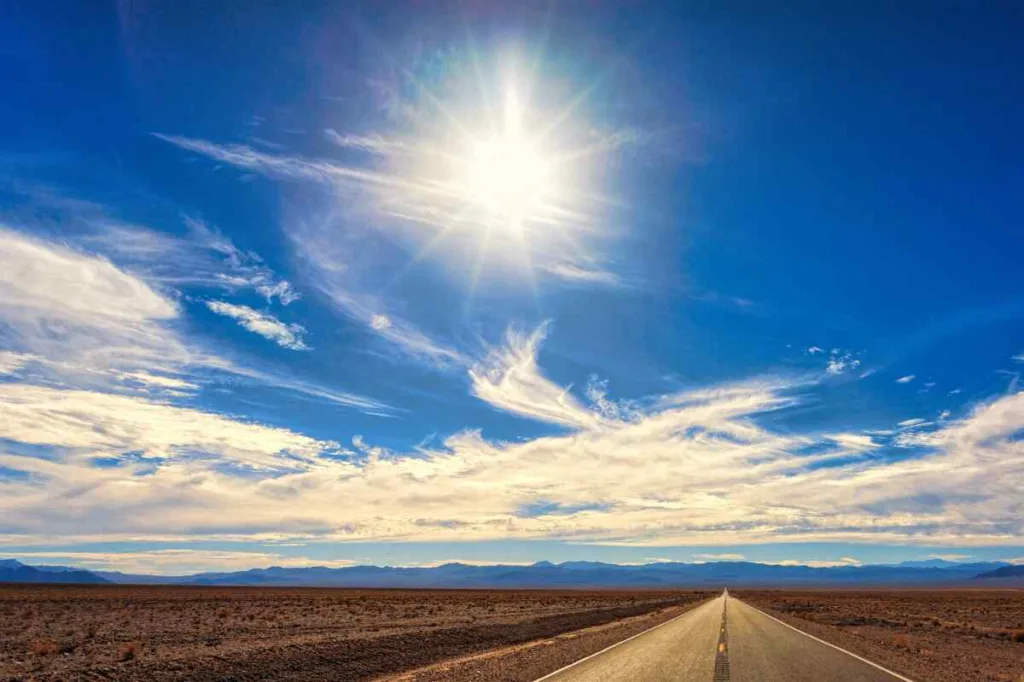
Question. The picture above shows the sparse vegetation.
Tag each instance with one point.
(129, 651)
(43, 647)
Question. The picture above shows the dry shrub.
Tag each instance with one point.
(130, 651)
(901, 641)
(44, 647)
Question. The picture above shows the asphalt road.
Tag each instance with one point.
(723, 640)
(681, 649)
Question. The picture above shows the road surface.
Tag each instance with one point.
(723, 640)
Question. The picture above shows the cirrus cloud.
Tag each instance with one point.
(269, 327)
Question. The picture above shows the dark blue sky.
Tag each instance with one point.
(736, 281)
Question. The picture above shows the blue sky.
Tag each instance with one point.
(407, 285)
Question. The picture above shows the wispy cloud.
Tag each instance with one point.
(74, 318)
(906, 379)
(158, 381)
(66, 306)
(203, 258)
(11, 362)
(509, 379)
(404, 335)
(269, 327)
(374, 144)
(583, 273)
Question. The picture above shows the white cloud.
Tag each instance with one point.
(911, 423)
(818, 563)
(380, 322)
(951, 557)
(510, 380)
(1018, 358)
(944, 415)
(906, 379)
(813, 350)
(40, 281)
(79, 310)
(839, 362)
(172, 562)
(720, 557)
(683, 475)
(468, 562)
(103, 424)
(285, 335)
(583, 273)
(158, 381)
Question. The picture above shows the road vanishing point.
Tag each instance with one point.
(724, 640)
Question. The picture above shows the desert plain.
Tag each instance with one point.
(120, 632)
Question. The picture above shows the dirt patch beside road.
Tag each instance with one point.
(204, 633)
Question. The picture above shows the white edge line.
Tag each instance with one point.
(628, 639)
(838, 648)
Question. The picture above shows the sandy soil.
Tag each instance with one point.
(927, 635)
(208, 633)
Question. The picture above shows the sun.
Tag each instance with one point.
(505, 174)
(496, 174)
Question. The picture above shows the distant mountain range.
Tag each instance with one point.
(12, 571)
(570, 574)
(1004, 572)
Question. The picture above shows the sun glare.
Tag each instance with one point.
(506, 174)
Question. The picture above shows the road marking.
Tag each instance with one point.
(628, 639)
(837, 648)
(722, 655)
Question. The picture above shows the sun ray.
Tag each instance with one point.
(474, 277)
(428, 248)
